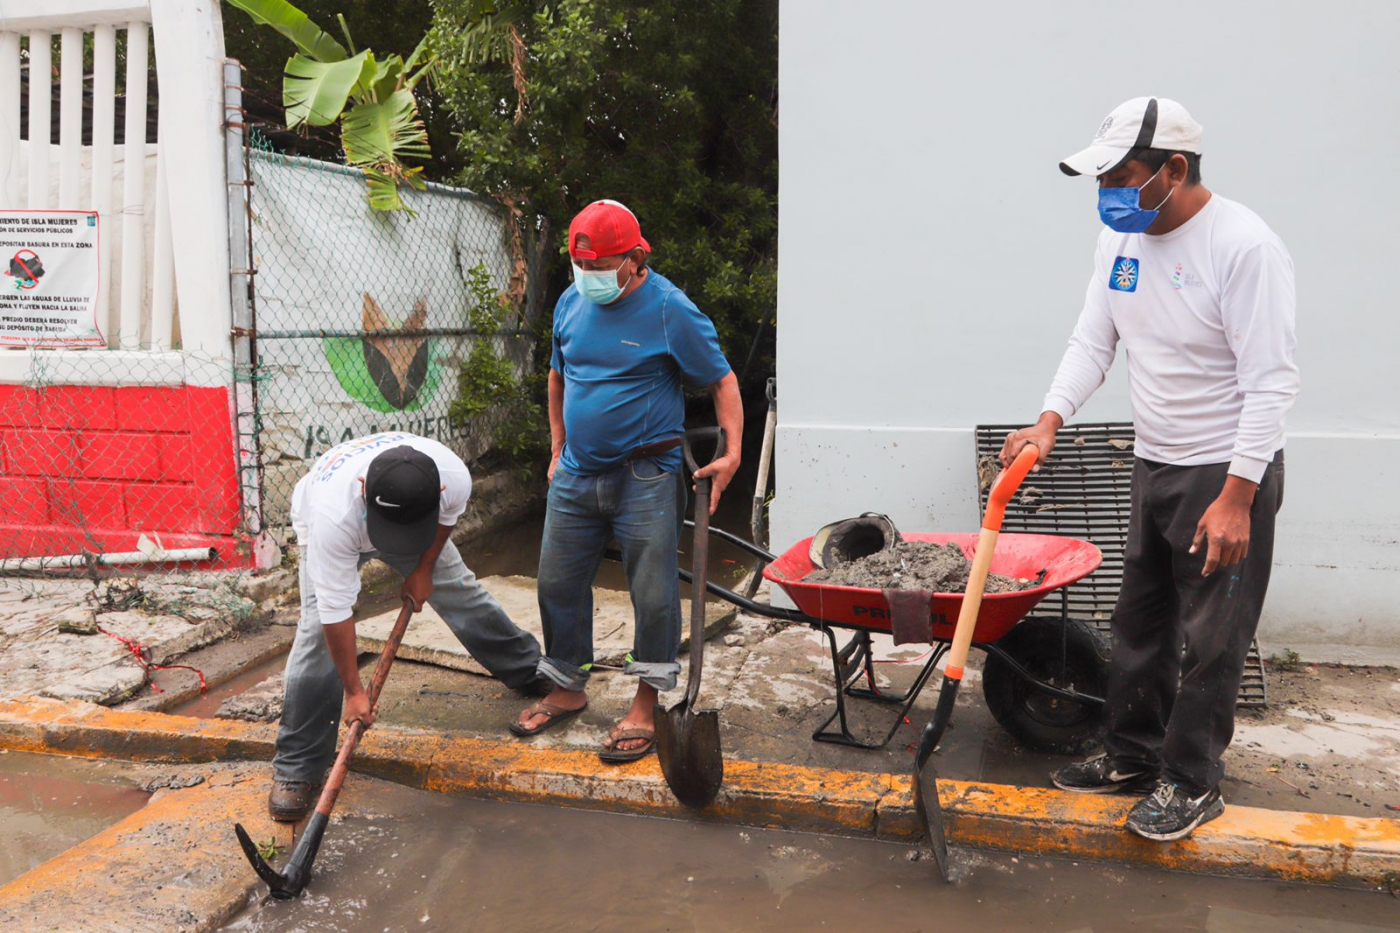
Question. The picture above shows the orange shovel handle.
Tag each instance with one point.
(1002, 491)
(1006, 485)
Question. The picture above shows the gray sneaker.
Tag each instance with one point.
(1170, 813)
(1101, 775)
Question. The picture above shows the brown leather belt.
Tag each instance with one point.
(654, 450)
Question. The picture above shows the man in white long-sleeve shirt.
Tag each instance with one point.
(1199, 291)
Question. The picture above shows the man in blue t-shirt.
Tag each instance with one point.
(625, 342)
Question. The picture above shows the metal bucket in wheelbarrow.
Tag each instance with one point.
(1023, 556)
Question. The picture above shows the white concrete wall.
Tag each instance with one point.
(933, 258)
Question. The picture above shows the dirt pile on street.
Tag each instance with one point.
(914, 565)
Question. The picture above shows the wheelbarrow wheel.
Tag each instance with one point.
(1064, 653)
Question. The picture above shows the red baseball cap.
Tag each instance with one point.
(611, 230)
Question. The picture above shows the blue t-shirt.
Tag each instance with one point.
(622, 365)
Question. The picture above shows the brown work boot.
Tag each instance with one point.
(289, 801)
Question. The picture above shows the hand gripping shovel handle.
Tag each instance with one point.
(925, 784)
(289, 882)
(699, 555)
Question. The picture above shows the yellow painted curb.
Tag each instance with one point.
(1245, 841)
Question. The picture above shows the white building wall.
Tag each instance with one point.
(933, 258)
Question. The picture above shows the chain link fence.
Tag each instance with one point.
(366, 321)
(128, 478)
(118, 456)
(121, 500)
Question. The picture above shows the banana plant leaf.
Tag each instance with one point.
(296, 26)
(316, 93)
(387, 130)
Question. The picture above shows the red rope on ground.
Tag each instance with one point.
(141, 652)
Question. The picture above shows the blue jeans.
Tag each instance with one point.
(643, 507)
(313, 693)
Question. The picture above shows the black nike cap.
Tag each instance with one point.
(403, 495)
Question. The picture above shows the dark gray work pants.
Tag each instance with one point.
(1172, 708)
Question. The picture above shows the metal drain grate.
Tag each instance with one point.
(1082, 491)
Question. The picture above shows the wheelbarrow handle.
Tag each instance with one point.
(702, 434)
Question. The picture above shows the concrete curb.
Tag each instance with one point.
(1245, 842)
(173, 865)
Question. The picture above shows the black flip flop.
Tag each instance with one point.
(556, 714)
(615, 756)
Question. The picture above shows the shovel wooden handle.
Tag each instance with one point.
(1002, 490)
(699, 556)
(336, 779)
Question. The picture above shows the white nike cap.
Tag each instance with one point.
(1141, 123)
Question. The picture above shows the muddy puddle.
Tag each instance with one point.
(422, 862)
(207, 706)
(49, 804)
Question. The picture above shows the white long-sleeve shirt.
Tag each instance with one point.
(1206, 316)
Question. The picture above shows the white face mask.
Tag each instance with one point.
(599, 287)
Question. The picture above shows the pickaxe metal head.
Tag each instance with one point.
(289, 882)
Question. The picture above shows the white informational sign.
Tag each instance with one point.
(49, 279)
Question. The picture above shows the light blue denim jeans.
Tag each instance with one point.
(643, 507)
(313, 694)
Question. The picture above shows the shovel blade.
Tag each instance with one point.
(930, 811)
(687, 742)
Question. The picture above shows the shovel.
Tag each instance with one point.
(687, 739)
(925, 775)
(289, 882)
(760, 492)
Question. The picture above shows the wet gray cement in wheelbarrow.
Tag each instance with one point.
(418, 861)
(914, 565)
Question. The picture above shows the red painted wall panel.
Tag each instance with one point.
(19, 406)
(41, 453)
(91, 407)
(87, 504)
(122, 455)
(152, 408)
(97, 466)
(161, 507)
(26, 501)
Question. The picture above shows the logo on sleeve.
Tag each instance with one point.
(1124, 277)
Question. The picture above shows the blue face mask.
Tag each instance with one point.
(599, 287)
(1120, 208)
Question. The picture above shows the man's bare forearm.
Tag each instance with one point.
(729, 412)
(556, 412)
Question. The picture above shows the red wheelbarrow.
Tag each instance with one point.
(1044, 677)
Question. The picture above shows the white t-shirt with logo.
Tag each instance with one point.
(1206, 316)
(328, 513)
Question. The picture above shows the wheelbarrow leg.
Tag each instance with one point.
(843, 737)
(861, 642)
